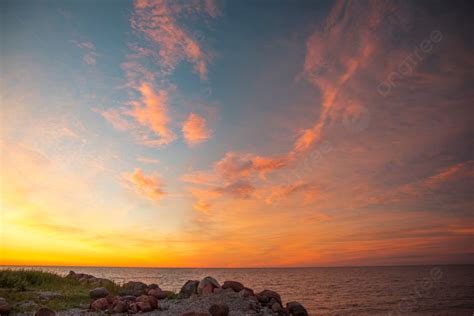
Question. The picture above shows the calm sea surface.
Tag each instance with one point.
(407, 290)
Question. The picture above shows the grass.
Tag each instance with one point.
(18, 286)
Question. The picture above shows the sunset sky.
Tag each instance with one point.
(236, 133)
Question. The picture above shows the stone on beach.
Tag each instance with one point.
(189, 288)
(234, 285)
(194, 314)
(246, 292)
(158, 293)
(121, 306)
(134, 288)
(207, 281)
(100, 304)
(44, 311)
(149, 299)
(266, 296)
(296, 309)
(99, 292)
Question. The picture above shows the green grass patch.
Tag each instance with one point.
(19, 286)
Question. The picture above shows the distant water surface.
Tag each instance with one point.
(400, 290)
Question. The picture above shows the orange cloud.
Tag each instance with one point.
(150, 187)
(235, 166)
(195, 130)
(158, 21)
(152, 114)
(280, 192)
(148, 160)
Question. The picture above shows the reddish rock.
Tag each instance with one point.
(194, 314)
(217, 290)
(207, 290)
(219, 310)
(236, 286)
(100, 305)
(206, 282)
(150, 300)
(5, 308)
(158, 293)
(111, 300)
(44, 311)
(133, 308)
(296, 309)
(120, 307)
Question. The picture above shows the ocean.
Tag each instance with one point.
(395, 290)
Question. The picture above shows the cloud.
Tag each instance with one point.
(152, 113)
(195, 130)
(280, 192)
(116, 118)
(158, 21)
(150, 187)
(236, 166)
(238, 190)
(89, 52)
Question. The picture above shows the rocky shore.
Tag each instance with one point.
(196, 298)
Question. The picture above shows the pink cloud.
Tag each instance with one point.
(195, 130)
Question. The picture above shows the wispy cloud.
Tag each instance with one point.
(150, 187)
(89, 52)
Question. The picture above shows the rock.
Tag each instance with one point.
(153, 286)
(246, 292)
(44, 311)
(207, 281)
(276, 307)
(120, 307)
(5, 308)
(219, 310)
(217, 290)
(100, 304)
(99, 292)
(189, 288)
(296, 309)
(149, 299)
(236, 286)
(194, 314)
(133, 308)
(144, 307)
(158, 293)
(134, 288)
(207, 290)
(130, 298)
(266, 296)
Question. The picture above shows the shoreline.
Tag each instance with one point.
(104, 296)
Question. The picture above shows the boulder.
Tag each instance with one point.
(5, 308)
(153, 286)
(158, 293)
(207, 281)
(134, 288)
(99, 292)
(189, 288)
(246, 292)
(194, 314)
(276, 307)
(266, 296)
(236, 286)
(296, 309)
(208, 289)
(129, 298)
(144, 307)
(100, 304)
(219, 310)
(120, 307)
(151, 300)
(44, 311)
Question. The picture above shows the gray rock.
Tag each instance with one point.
(99, 292)
(134, 288)
(207, 281)
(189, 288)
(266, 296)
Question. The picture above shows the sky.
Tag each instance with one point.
(208, 133)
